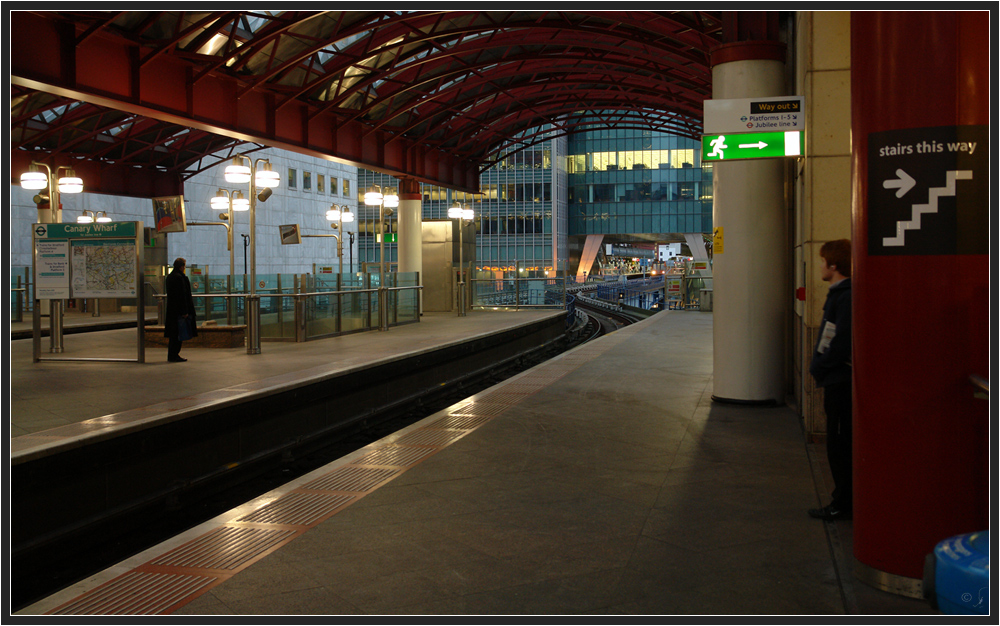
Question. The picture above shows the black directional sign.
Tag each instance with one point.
(928, 191)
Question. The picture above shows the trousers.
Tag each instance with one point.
(837, 402)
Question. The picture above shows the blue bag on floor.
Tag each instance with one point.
(183, 328)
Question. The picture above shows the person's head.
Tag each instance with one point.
(179, 264)
(836, 257)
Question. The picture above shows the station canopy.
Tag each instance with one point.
(437, 96)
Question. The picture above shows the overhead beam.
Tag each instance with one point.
(110, 72)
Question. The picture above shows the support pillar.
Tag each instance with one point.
(750, 287)
(409, 255)
(919, 101)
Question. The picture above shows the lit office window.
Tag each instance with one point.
(319, 183)
(307, 181)
(347, 188)
(333, 185)
(292, 178)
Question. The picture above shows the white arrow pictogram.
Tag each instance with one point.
(760, 145)
(931, 207)
(904, 183)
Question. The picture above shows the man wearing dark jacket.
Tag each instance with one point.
(831, 367)
(180, 309)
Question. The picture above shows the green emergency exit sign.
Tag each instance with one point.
(389, 238)
(769, 145)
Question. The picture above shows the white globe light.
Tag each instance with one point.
(468, 214)
(237, 172)
(240, 203)
(220, 202)
(373, 197)
(84, 219)
(34, 180)
(103, 217)
(391, 201)
(456, 212)
(266, 177)
(333, 215)
(70, 184)
(347, 216)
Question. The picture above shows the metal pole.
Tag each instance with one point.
(253, 308)
(382, 322)
(461, 268)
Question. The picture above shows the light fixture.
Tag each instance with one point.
(240, 203)
(70, 183)
(103, 218)
(265, 176)
(391, 200)
(265, 193)
(34, 178)
(334, 214)
(456, 211)
(87, 217)
(373, 197)
(221, 200)
(347, 216)
(237, 172)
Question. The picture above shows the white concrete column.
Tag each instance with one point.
(409, 245)
(750, 286)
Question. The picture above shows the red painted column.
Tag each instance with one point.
(919, 103)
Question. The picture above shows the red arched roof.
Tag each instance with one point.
(435, 95)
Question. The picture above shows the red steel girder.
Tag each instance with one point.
(107, 71)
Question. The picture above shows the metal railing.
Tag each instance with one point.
(519, 293)
(308, 315)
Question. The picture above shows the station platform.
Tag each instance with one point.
(602, 482)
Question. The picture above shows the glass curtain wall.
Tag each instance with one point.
(637, 181)
(514, 223)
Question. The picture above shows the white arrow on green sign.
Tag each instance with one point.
(733, 146)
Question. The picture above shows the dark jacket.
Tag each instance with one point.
(179, 302)
(833, 365)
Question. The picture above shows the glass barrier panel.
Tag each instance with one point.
(277, 314)
(408, 306)
(356, 312)
(321, 315)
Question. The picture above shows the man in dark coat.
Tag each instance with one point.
(831, 367)
(180, 306)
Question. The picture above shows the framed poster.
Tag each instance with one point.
(168, 214)
(290, 234)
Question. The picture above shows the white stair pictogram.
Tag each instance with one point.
(931, 207)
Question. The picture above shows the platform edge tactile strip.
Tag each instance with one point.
(298, 509)
(138, 593)
(225, 548)
(352, 479)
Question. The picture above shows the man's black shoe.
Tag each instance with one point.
(830, 513)
(177, 359)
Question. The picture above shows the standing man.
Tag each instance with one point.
(180, 310)
(831, 367)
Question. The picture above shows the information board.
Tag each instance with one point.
(97, 260)
(929, 191)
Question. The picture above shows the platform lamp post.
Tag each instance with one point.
(266, 178)
(462, 215)
(375, 197)
(35, 179)
(231, 202)
(340, 215)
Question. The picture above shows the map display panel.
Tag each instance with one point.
(104, 269)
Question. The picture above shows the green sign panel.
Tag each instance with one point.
(733, 146)
(115, 230)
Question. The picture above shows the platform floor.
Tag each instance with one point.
(604, 482)
(52, 394)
